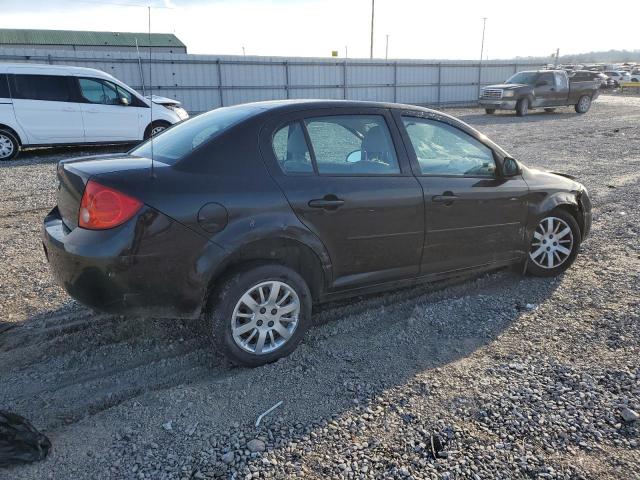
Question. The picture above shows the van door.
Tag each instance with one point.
(109, 111)
(45, 109)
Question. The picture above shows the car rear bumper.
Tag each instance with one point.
(497, 104)
(134, 268)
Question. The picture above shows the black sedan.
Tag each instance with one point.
(249, 215)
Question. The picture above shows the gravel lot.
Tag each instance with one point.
(521, 377)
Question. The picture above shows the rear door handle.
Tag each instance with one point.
(444, 198)
(326, 203)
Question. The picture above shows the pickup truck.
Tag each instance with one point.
(547, 89)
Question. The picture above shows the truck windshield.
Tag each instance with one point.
(527, 78)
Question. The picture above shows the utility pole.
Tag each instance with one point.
(555, 64)
(346, 51)
(386, 48)
(484, 26)
(373, 9)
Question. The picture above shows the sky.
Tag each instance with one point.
(418, 29)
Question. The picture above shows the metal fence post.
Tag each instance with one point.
(395, 81)
(479, 78)
(515, 68)
(439, 83)
(344, 79)
(220, 82)
(286, 73)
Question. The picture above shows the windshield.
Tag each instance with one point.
(527, 78)
(180, 140)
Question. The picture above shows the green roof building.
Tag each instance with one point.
(81, 40)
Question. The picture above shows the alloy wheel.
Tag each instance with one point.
(156, 130)
(584, 103)
(552, 243)
(265, 317)
(6, 146)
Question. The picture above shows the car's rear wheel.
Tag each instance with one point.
(155, 128)
(550, 110)
(490, 111)
(583, 105)
(554, 245)
(260, 314)
(522, 107)
(9, 145)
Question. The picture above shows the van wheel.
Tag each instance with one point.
(260, 314)
(522, 107)
(9, 145)
(554, 245)
(490, 111)
(550, 110)
(583, 105)
(155, 128)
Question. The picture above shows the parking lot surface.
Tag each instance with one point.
(522, 377)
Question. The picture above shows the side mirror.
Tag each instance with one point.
(510, 167)
(354, 156)
(542, 83)
(123, 101)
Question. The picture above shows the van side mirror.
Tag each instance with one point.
(123, 101)
(510, 167)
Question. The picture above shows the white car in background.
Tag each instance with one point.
(618, 76)
(44, 105)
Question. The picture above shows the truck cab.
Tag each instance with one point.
(546, 89)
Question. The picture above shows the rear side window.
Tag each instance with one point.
(352, 145)
(291, 150)
(445, 150)
(4, 86)
(54, 88)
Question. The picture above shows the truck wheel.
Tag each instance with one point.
(522, 107)
(550, 110)
(583, 105)
(490, 111)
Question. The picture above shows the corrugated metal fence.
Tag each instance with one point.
(203, 82)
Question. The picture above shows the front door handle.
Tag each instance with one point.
(447, 199)
(326, 203)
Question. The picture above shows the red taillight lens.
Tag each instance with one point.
(103, 207)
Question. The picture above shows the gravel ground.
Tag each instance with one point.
(519, 377)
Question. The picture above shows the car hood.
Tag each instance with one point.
(508, 86)
(163, 100)
(552, 178)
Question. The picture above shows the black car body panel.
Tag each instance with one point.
(229, 203)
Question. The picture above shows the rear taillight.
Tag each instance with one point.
(103, 207)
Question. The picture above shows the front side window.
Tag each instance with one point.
(547, 77)
(445, 150)
(99, 91)
(291, 150)
(352, 145)
(52, 88)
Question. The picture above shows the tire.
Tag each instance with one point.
(538, 263)
(634, 79)
(9, 145)
(229, 308)
(522, 107)
(489, 111)
(583, 105)
(155, 128)
(550, 110)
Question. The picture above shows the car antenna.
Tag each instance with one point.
(153, 173)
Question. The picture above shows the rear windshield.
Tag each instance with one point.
(175, 143)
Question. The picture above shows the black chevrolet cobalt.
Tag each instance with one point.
(249, 215)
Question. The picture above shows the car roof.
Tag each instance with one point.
(44, 69)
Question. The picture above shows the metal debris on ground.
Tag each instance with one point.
(20, 442)
(267, 412)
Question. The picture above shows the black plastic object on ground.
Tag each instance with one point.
(20, 442)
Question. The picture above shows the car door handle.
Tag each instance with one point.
(329, 204)
(446, 199)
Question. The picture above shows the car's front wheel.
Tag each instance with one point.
(522, 107)
(155, 128)
(490, 111)
(583, 105)
(260, 314)
(9, 145)
(554, 245)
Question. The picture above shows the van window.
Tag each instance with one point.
(99, 91)
(4, 86)
(53, 88)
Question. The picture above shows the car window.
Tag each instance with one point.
(4, 86)
(561, 80)
(445, 150)
(352, 145)
(99, 91)
(53, 88)
(291, 149)
(547, 77)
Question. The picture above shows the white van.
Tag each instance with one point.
(61, 105)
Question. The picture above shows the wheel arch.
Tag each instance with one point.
(566, 201)
(12, 131)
